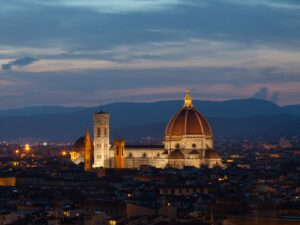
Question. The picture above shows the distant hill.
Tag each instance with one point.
(135, 120)
(269, 127)
(292, 109)
(38, 110)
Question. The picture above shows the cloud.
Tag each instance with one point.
(18, 63)
(264, 93)
(116, 6)
(6, 83)
(278, 4)
(195, 53)
(222, 49)
(275, 97)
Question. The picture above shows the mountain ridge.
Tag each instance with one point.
(70, 122)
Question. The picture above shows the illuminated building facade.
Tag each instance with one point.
(119, 153)
(101, 140)
(188, 141)
(88, 148)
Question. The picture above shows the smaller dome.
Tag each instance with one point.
(79, 143)
(194, 152)
(176, 154)
(211, 154)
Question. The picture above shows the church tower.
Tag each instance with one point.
(88, 146)
(119, 153)
(101, 139)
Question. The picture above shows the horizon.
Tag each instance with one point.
(140, 102)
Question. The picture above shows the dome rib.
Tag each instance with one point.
(170, 125)
(200, 123)
(185, 121)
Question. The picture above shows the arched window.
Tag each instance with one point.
(130, 154)
(194, 145)
(117, 150)
(98, 132)
(144, 155)
(177, 146)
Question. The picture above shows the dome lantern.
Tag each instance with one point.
(188, 99)
(188, 129)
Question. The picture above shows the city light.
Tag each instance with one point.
(27, 148)
(112, 222)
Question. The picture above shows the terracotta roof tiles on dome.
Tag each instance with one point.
(188, 121)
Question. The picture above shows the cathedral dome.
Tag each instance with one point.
(188, 121)
(79, 144)
(176, 154)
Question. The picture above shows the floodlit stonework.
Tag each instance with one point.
(188, 141)
(88, 147)
(101, 140)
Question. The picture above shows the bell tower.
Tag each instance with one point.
(101, 139)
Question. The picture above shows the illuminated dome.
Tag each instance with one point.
(188, 129)
(188, 122)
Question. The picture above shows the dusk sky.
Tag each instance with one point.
(83, 52)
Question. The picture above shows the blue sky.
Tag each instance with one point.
(83, 52)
